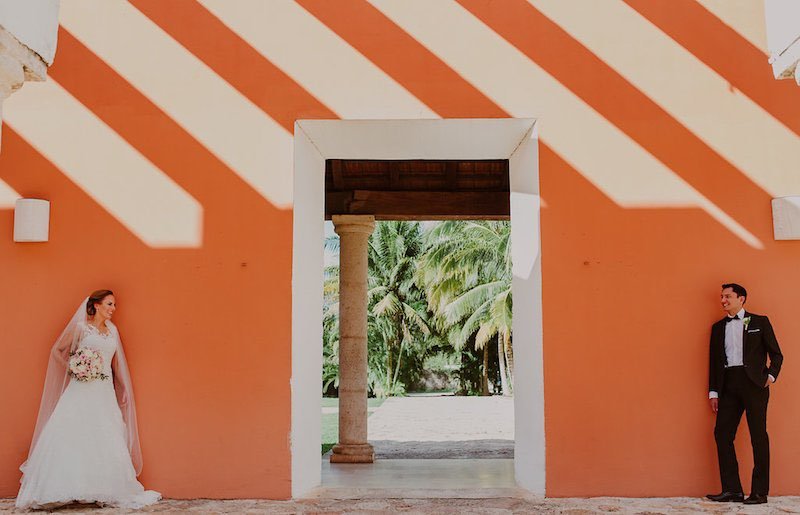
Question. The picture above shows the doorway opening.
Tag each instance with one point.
(410, 170)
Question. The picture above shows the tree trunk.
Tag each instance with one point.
(509, 352)
(485, 378)
(399, 359)
(389, 369)
(501, 361)
(463, 380)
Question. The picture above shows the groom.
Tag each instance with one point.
(738, 381)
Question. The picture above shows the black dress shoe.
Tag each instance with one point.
(728, 497)
(756, 499)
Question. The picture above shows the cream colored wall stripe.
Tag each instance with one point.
(744, 16)
(104, 165)
(602, 153)
(251, 143)
(607, 157)
(7, 196)
(318, 59)
(691, 92)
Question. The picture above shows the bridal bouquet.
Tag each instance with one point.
(86, 364)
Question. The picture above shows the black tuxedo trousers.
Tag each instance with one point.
(740, 395)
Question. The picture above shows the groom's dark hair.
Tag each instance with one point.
(738, 289)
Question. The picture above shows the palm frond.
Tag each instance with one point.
(386, 306)
(471, 324)
(468, 301)
(485, 332)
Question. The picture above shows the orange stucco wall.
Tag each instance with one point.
(207, 331)
(630, 291)
(628, 304)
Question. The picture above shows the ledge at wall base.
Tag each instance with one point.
(324, 492)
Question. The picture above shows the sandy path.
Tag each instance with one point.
(443, 427)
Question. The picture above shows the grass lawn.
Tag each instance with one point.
(330, 430)
(333, 402)
(330, 421)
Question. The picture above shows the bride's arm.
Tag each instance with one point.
(119, 386)
(63, 346)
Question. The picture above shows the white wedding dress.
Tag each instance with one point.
(81, 454)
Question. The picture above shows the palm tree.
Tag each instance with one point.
(330, 322)
(466, 272)
(398, 315)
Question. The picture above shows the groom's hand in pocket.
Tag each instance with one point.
(714, 404)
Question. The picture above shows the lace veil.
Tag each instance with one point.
(57, 379)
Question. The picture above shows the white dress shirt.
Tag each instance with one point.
(733, 340)
(734, 345)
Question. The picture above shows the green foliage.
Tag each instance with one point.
(443, 362)
(330, 330)
(397, 307)
(436, 299)
(466, 274)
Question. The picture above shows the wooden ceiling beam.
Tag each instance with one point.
(336, 172)
(394, 174)
(451, 172)
(419, 205)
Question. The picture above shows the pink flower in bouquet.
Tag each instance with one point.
(86, 364)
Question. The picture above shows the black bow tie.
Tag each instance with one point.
(728, 319)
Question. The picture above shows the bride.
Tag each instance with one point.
(86, 444)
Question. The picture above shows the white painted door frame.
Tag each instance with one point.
(466, 139)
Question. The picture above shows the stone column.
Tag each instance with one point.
(353, 231)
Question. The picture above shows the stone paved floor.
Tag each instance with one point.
(444, 427)
(419, 478)
(683, 505)
(402, 428)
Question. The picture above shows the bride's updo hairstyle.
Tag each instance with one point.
(96, 298)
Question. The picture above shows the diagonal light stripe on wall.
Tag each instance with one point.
(612, 161)
(105, 166)
(602, 153)
(722, 49)
(7, 196)
(235, 60)
(318, 59)
(591, 144)
(229, 125)
(419, 71)
(686, 88)
(744, 16)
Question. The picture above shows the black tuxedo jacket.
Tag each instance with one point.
(758, 342)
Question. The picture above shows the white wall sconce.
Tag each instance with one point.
(786, 218)
(31, 220)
